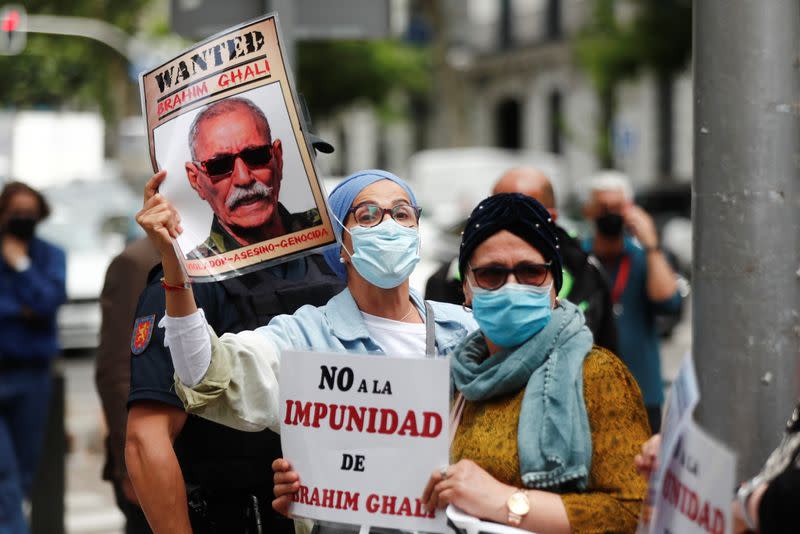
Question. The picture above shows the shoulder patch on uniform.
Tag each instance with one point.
(142, 333)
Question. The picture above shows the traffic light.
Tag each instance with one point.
(13, 25)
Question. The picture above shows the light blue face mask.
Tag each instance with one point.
(386, 254)
(511, 315)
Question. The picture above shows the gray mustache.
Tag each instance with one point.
(255, 191)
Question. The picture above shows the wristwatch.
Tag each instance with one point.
(518, 507)
(743, 496)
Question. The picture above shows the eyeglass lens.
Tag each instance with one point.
(222, 166)
(495, 276)
(372, 214)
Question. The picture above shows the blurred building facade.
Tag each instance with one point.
(506, 75)
(510, 78)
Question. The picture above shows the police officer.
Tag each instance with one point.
(191, 474)
(185, 468)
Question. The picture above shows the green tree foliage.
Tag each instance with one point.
(335, 74)
(56, 71)
(658, 36)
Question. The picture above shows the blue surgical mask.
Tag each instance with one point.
(511, 315)
(385, 254)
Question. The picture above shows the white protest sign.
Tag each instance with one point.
(697, 488)
(681, 402)
(364, 433)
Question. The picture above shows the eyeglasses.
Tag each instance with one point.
(221, 166)
(368, 214)
(494, 277)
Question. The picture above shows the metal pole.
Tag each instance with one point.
(746, 213)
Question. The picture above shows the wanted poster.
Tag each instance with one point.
(223, 120)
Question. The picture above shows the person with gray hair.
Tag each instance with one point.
(642, 281)
(237, 168)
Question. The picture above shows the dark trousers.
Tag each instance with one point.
(654, 415)
(24, 403)
(135, 520)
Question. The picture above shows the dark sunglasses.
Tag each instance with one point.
(494, 277)
(221, 166)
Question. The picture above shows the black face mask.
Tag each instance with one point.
(21, 227)
(610, 224)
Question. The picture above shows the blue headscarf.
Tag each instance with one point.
(341, 200)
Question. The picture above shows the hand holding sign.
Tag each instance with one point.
(469, 487)
(647, 461)
(286, 484)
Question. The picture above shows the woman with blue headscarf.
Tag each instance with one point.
(377, 219)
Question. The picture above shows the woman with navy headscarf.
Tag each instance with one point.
(377, 219)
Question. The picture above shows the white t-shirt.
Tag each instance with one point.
(396, 338)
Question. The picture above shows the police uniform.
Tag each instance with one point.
(227, 472)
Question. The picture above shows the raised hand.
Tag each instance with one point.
(158, 217)
(641, 225)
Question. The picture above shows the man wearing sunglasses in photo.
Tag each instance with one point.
(237, 168)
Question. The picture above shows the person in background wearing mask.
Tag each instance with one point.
(642, 281)
(378, 220)
(32, 287)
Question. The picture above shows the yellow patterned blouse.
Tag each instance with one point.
(487, 434)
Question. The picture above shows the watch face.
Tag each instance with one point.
(518, 504)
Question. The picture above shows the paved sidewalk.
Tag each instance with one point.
(89, 502)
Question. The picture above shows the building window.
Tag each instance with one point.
(555, 118)
(508, 126)
(504, 26)
(553, 30)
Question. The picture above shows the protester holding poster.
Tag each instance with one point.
(376, 313)
(549, 423)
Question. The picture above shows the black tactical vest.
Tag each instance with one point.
(219, 458)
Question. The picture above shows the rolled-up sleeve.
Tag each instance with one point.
(240, 387)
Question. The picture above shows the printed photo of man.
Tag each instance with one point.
(237, 168)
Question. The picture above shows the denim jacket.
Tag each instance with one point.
(240, 387)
